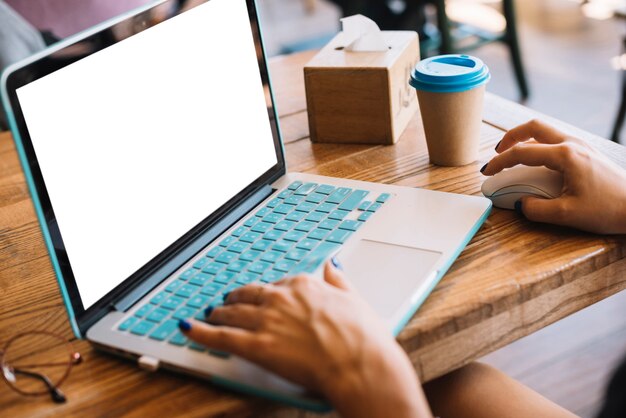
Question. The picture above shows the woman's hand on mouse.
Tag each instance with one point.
(594, 188)
(321, 335)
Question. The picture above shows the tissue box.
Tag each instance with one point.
(362, 97)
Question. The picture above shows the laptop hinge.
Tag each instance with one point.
(192, 249)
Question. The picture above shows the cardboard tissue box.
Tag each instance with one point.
(357, 87)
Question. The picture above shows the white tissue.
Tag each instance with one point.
(362, 34)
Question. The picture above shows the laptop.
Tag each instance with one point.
(152, 150)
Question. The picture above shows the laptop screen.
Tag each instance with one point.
(141, 141)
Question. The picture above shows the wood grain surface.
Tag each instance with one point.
(513, 278)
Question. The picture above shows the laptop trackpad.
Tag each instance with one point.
(386, 274)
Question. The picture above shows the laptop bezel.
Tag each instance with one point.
(49, 61)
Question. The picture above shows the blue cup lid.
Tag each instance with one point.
(449, 74)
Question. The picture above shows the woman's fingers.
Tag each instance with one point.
(545, 210)
(334, 276)
(239, 315)
(232, 340)
(531, 130)
(252, 294)
(551, 156)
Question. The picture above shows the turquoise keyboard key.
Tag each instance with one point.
(315, 216)
(237, 232)
(316, 258)
(259, 267)
(174, 285)
(262, 227)
(294, 199)
(262, 245)
(213, 268)
(164, 330)
(250, 222)
(197, 347)
(325, 189)
(250, 255)
(213, 252)
(187, 274)
(350, 225)
(198, 301)
(339, 236)
(127, 323)
(374, 207)
(353, 200)
(246, 278)
(305, 207)
(141, 312)
(211, 289)
(200, 279)
(294, 236)
(274, 202)
(262, 212)
(296, 255)
(365, 216)
(284, 194)
(283, 209)
(305, 226)
(227, 241)
(326, 207)
(295, 216)
(230, 288)
(383, 198)
(172, 302)
(201, 262)
(250, 237)
(273, 218)
(282, 245)
(338, 214)
(184, 313)
(285, 225)
(238, 247)
(305, 189)
(273, 235)
(295, 185)
(272, 276)
(220, 354)
(178, 339)
(158, 315)
(329, 224)
(224, 277)
(284, 265)
(159, 297)
(186, 291)
(142, 328)
(226, 257)
(237, 266)
(315, 198)
(271, 256)
(319, 233)
(364, 205)
(338, 195)
(307, 244)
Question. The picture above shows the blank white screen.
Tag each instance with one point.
(139, 142)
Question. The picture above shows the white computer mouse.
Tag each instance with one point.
(509, 186)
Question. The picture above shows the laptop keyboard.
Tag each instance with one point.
(293, 233)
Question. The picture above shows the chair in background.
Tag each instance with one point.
(453, 37)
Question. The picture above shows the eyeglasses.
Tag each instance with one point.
(36, 363)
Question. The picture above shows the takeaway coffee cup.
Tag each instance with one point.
(450, 90)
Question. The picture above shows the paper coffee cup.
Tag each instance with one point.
(450, 90)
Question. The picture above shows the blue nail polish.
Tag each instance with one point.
(225, 296)
(518, 208)
(336, 263)
(482, 170)
(497, 145)
(208, 311)
(184, 325)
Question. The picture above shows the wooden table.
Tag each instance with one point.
(514, 277)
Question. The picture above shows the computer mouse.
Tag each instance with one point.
(509, 186)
